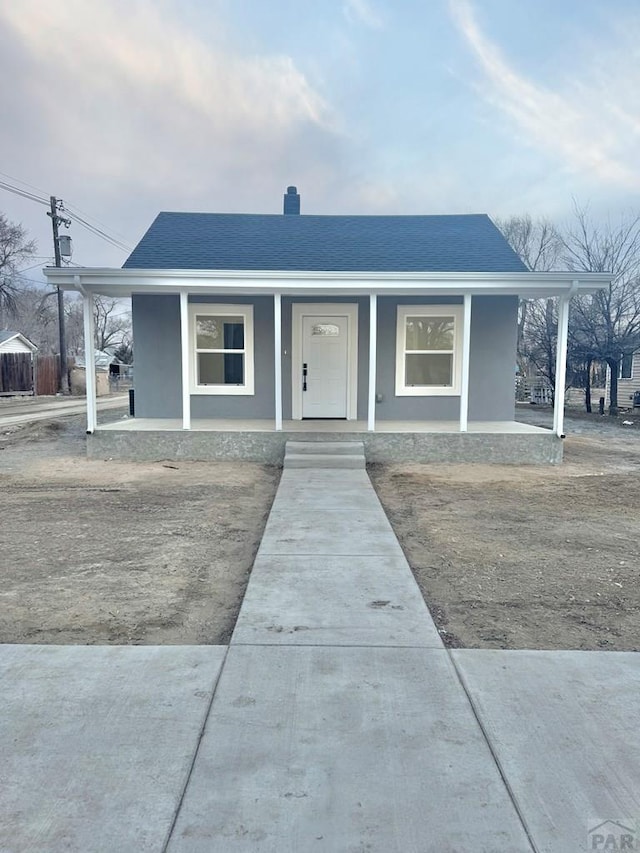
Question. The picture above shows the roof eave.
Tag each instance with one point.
(125, 282)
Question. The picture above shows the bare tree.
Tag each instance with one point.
(606, 324)
(124, 352)
(14, 250)
(74, 326)
(539, 244)
(111, 323)
(34, 314)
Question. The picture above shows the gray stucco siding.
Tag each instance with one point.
(492, 369)
(261, 404)
(391, 407)
(492, 362)
(158, 372)
(157, 355)
(158, 384)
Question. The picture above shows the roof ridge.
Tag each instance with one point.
(325, 215)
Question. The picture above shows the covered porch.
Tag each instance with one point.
(254, 415)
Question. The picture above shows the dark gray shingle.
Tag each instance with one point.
(221, 241)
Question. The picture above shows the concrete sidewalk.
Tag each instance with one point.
(339, 723)
(335, 721)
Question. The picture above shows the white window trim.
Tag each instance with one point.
(220, 310)
(404, 311)
(621, 365)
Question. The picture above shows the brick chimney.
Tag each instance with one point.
(291, 201)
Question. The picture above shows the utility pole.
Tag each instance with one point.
(56, 220)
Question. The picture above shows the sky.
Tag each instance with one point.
(123, 108)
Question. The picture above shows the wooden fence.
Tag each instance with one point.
(47, 374)
(16, 373)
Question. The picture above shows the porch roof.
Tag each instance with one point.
(125, 282)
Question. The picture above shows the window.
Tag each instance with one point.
(329, 330)
(428, 350)
(222, 344)
(625, 368)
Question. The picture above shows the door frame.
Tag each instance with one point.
(324, 309)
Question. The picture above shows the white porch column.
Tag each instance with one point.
(466, 357)
(277, 355)
(373, 354)
(90, 360)
(184, 347)
(561, 365)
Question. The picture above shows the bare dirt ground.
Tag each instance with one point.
(506, 557)
(119, 552)
(527, 557)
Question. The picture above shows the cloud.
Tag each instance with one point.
(590, 124)
(122, 94)
(363, 12)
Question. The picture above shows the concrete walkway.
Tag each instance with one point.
(336, 721)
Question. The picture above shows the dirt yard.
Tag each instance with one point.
(109, 552)
(507, 557)
(527, 557)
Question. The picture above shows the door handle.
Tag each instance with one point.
(304, 377)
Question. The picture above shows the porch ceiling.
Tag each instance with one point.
(125, 282)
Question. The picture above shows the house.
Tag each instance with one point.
(17, 364)
(628, 381)
(108, 370)
(251, 329)
(15, 342)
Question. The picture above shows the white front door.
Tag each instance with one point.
(325, 366)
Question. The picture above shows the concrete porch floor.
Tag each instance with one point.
(320, 426)
(153, 439)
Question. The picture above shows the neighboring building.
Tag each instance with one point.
(253, 328)
(15, 342)
(628, 381)
(108, 371)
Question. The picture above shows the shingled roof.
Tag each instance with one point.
(229, 241)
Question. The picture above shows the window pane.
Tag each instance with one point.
(219, 332)
(626, 366)
(429, 333)
(326, 329)
(425, 369)
(218, 368)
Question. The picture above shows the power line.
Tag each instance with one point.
(26, 269)
(23, 193)
(98, 232)
(74, 207)
(41, 281)
(31, 186)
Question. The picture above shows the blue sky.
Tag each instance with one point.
(127, 107)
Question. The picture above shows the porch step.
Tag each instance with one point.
(335, 448)
(324, 454)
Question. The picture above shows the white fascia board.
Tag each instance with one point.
(124, 282)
